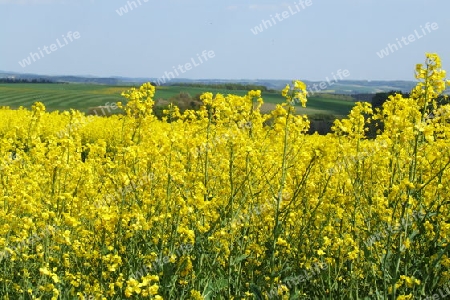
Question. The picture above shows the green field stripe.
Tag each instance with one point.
(82, 103)
(15, 99)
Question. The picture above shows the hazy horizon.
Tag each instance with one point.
(201, 79)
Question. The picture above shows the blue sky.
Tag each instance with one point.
(311, 42)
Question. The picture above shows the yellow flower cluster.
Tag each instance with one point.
(91, 201)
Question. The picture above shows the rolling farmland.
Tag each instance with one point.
(83, 96)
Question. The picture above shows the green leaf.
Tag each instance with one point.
(239, 259)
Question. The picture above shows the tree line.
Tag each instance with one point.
(24, 80)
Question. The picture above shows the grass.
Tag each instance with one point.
(83, 96)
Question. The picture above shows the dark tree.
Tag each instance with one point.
(380, 98)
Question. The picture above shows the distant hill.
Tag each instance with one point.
(348, 87)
